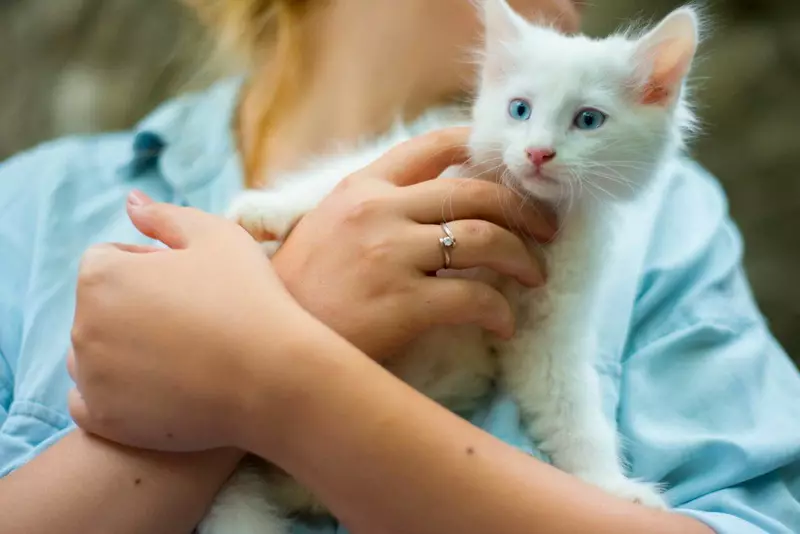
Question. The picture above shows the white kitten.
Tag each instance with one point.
(583, 124)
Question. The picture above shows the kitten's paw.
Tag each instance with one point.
(263, 215)
(631, 490)
(243, 506)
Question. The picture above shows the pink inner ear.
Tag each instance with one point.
(654, 94)
(669, 65)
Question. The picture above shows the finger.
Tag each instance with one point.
(137, 249)
(456, 301)
(450, 199)
(103, 258)
(97, 262)
(175, 226)
(78, 410)
(422, 158)
(478, 244)
(72, 365)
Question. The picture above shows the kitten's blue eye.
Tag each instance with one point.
(519, 109)
(589, 119)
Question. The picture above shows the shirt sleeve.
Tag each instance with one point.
(28, 422)
(710, 402)
(6, 388)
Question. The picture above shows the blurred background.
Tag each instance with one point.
(77, 66)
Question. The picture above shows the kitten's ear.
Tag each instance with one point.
(503, 27)
(502, 22)
(664, 57)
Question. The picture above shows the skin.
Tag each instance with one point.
(209, 373)
(392, 203)
(371, 470)
(285, 339)
(360, 85)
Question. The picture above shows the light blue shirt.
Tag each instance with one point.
(705, 400)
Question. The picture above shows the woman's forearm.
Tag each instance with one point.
(389, 461)
(85, 485)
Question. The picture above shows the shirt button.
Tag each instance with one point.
(147, 145)
(147, 148)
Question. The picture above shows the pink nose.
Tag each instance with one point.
(540, 156)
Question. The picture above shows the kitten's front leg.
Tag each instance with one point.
(548, 367)
(244, 506)
(268, 216)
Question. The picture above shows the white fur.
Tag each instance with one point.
(548, 365)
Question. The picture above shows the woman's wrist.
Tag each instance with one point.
(282, 391)
(140, 490)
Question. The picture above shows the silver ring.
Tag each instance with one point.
(447, 242)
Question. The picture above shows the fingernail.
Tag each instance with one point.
(137, 199)
(536, 280)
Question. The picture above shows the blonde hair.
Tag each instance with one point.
(255, 30)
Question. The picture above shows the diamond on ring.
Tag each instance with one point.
(447, 242)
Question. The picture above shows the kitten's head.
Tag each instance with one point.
(569, 115)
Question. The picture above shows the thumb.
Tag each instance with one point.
(174, 226)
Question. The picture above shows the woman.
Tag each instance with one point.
(207, 351)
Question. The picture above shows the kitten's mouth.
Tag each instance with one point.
(536, 175)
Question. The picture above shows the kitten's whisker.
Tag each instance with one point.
(600, 188)
(511, 223)
(615, 177)
(622, 165)
(589, 190)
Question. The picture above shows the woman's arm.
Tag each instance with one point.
(79, 484)
(86, 485)
(214, 357)
(404, 464)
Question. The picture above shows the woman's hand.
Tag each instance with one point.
(362, 261)
(163, 339)
(173, 348)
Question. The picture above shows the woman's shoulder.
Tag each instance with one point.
(692, 208)
(692, 272)
(192, 125)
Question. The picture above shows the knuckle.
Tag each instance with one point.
(349, 182)
(102, 416)
(363, 210)
(462, 297)
(439, 137)
(77, 334)
(481, 233)
(96, 267)
(91, 266)
(486, 298)
(82, 335)
(444, 137)
(379, 250)
(482, 190)
(160, 214)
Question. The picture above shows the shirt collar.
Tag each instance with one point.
(190, 140)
